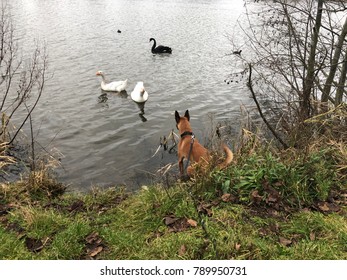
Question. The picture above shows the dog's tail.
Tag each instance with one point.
(229, 157)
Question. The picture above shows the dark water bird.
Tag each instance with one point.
(237, 52)
(118, 31)
(160, 48)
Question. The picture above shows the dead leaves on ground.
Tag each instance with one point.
(284, 241)
(176, 224)
(271, 196)
(327, 207)
(94, 245)
(182, 251)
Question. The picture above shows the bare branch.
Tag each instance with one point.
(285, 145)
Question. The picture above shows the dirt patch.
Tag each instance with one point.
(36, 245)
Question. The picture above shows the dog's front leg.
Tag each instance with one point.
(180, 165)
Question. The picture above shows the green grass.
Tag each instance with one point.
(135, 228)
(273, 212)
(300, 179)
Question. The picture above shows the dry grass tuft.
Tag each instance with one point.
(5, 159)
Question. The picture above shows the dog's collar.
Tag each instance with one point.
(187, 133)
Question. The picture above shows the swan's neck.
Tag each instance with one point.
(154, 44)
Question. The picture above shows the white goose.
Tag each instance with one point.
(139, 94)
(112, 86)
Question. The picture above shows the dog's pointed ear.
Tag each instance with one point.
(186, 114)
(177, 117)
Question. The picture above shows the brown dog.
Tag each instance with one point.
(189, 148)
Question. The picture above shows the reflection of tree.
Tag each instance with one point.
(21, 81)
(298, 53)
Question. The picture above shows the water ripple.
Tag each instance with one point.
(104, 138)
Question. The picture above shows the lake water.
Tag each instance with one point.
(103, 139)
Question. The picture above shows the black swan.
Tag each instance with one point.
(160, 48)
(237, 52)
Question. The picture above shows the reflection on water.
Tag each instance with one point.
(106, 138)
(103, 98)
(142, 111)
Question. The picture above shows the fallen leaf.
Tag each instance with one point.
(216, 202)
(176, 224)
(205, 209)
(328, 207)
(278, 184)
(237, 246)
(274, 227)
(334, 208)
(284, 241)
(323, 206)
(273, 194)
(168, 220)
(95, 251)
(93, 238)
(182, 250)
(226, 197)
(256, 197)
(192, 222)
(272, 198)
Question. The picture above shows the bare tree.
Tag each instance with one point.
(297, 51)
(22, 81)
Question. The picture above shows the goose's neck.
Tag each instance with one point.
(103, 78)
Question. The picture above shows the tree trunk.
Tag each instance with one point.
(305, 104)
(335, 62)
(342, 82)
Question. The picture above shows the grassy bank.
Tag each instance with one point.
(267, 205)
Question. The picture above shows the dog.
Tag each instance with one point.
(190, 149)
